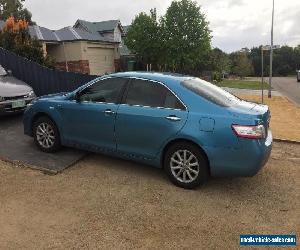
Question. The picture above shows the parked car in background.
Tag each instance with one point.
(188, 126)
(15, 95)
(298, 76)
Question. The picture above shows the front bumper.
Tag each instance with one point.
(245, 161)
(6, 107)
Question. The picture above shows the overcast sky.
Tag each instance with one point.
(235, 23)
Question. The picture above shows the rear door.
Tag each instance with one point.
(149, 115)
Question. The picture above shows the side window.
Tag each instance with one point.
(107, 91)
(152, 94)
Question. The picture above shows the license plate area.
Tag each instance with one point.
(18, 104)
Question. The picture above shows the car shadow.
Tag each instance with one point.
(146, 173)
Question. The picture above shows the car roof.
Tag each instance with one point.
(155, 76)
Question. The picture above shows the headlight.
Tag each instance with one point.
(31, 94)
(1, 99)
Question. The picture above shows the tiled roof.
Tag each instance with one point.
(124, 51)
(42, 34)
(64, 34)
(99, 27)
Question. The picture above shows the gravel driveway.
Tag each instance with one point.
(113, 204)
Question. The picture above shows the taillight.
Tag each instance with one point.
(250, 132)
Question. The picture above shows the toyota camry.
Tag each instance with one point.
(187, 126)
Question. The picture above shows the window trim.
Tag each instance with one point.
(143, 106)
(120, 97)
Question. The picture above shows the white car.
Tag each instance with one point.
(15, 95)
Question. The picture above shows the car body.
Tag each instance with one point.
(15, 95)
(153, 112)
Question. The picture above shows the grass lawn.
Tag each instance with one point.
(242, 84)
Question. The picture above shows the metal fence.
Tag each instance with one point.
(42, 79)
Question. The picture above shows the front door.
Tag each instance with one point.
(90, 121)
(147, 118)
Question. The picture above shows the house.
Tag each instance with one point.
(111, 29)
(114, 30)
(94, 48)
(77, 50)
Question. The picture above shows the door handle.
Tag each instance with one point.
(109, 112)
(173, 118)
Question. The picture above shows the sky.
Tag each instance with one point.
(235, 24)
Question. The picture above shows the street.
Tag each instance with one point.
(289, 87)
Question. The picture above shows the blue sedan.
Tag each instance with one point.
(183, 124)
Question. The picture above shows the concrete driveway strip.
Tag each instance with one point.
(15, 146)
(289, 87)
(250, 92)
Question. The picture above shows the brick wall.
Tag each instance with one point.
(81, 66)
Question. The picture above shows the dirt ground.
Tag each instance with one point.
(285, 121)
(104, 203)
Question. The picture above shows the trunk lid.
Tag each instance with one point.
(261, 113)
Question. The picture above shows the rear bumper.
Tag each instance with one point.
(245, 161)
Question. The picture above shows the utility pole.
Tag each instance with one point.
(266, 48)
(271, 55)
(262, 74)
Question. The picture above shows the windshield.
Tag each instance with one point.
(2, 71)
(210, 92)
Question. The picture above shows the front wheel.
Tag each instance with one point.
(186, 165)
(46, 135)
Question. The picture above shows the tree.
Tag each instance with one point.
(219, 62)
(142, 38)
(286, 60)
(179, 41)
(15, 37)
(242, 65)
(186, 34)
(16, 9)
(297, 57)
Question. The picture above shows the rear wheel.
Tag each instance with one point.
(186, 165)
(46, 135)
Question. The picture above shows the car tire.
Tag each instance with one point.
(46, 135)
(186, 166)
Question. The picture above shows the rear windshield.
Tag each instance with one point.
(210, 92)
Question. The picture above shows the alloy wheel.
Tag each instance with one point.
(45, 135)
(184, 166)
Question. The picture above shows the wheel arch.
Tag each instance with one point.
(183, 140)
(42, 114)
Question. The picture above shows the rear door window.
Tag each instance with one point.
(210, 92)
(151, 94)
